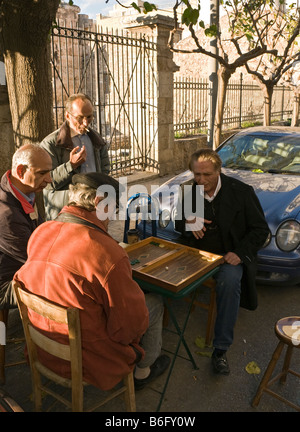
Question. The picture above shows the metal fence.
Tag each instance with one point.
(118, 72)
(244, 103)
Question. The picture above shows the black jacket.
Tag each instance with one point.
(243, 230)
(16, 228)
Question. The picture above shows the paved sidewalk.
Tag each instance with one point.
(189, 390)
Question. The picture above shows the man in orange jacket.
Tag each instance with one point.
(74, 262)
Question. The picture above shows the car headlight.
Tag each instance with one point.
(288, 236)
(164, 218)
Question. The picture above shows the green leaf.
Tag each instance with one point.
(200, 342)
(211, 31)
(149, 7)
(185, 19)
(194, 16)
(252, 368)
(135, 6)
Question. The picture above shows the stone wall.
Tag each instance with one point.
(69, 55)
(184, 147)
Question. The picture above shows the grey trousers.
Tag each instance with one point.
(151, 342)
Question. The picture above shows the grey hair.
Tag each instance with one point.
(81, 195)
(25, 154)
(84, 97)
(206, 154)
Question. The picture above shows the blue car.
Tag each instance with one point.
(267, 158)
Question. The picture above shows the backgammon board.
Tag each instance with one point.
(169, 265)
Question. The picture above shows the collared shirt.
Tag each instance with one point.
(207, 197)
(30, 198)
(27, 201)
(83, 140)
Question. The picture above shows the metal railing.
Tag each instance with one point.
(117, 70)
(244, 103)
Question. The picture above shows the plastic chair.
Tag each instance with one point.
(71, 352)
(150, 202)
(288, 332)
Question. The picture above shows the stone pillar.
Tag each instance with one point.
(165, 70)
(160, 26)
(6, 130)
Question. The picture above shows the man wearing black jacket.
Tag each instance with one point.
(30, 173)
(233, 226)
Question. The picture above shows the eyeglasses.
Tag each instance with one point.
(80, 118)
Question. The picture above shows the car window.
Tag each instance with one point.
(262, 153)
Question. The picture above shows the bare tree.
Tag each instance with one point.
(270, 68)
(249, 33)
(291, 79)
(245, 35)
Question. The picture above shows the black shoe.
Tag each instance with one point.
(220, 363)
(159, 366)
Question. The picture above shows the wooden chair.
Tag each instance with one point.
(288, 332)
(7, 403)
(3, 323)
(211, 309)
(71, 353)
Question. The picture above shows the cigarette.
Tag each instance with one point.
(87, 129)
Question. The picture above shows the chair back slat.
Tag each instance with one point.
(43, 307)
(55, 348)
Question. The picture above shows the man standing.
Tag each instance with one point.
(74, 262)
(74, 148)
(29, 174)
(233, 226)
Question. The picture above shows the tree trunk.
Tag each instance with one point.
(295, 109)
(25, 28)
(24, 40)
(224, 75)
(268, 94)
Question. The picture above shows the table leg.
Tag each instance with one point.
(180, 333)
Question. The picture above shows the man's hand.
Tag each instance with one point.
(196, 225)
(232, 258)
(77, 156)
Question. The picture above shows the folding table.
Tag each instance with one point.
(173, 271)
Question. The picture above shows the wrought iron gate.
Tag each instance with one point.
(118, 71)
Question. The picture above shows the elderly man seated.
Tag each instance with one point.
(30, 173)
(74, 262)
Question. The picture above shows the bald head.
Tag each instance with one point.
(26, 154)
(31, 166)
